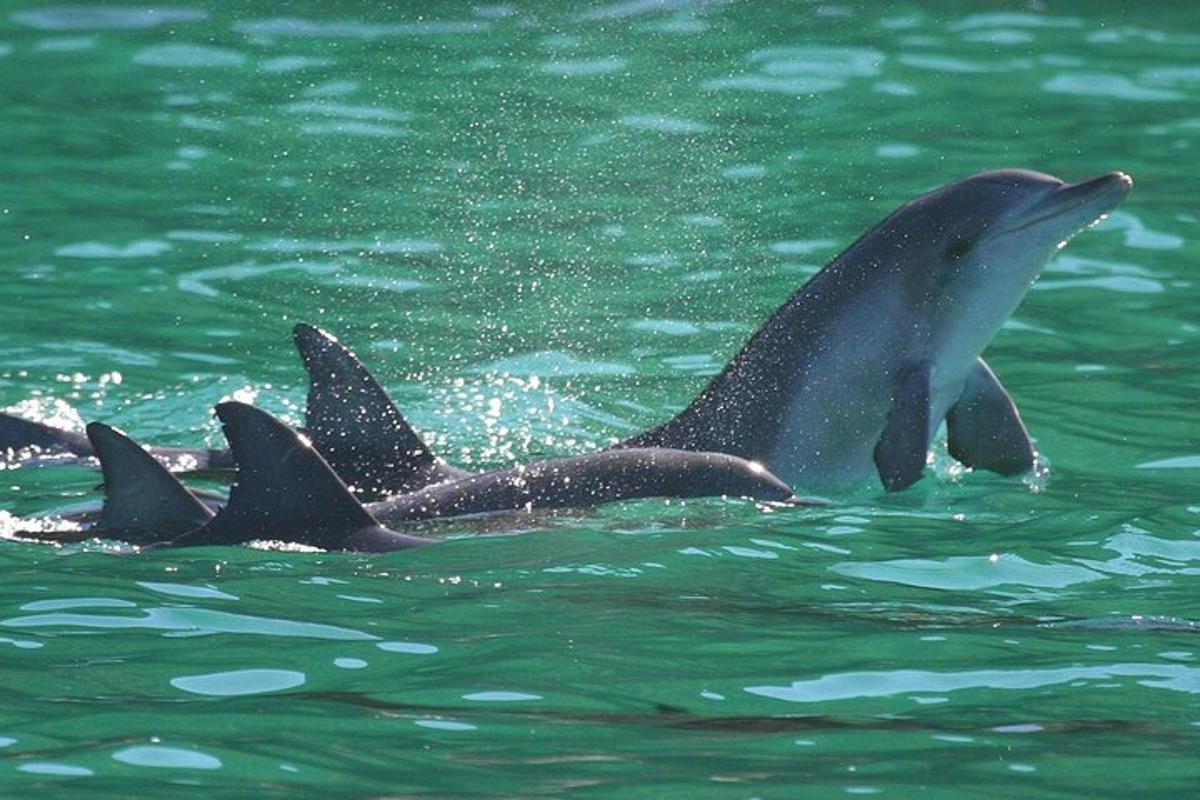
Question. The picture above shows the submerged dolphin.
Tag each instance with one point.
(849, 379)
(286, 490)
(23, 440)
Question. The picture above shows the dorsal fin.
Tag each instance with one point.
(355, 425)
(284, 489)
(19, 434)
(140, 495)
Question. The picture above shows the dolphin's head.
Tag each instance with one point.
(981, 242)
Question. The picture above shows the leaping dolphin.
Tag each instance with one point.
(852, 376)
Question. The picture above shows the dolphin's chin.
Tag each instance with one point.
(1072, 207)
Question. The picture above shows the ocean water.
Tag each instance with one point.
(544, 226)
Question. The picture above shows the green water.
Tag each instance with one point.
(544, 226)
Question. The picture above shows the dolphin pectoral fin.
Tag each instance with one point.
(356, 426)
(901, 451)
(285, 490)
(143, 502)
(985, 430)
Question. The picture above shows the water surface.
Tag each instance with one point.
(545, 226)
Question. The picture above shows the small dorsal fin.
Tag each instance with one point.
(284, 488)
(19, 434)
(357, 427)
(140, 495)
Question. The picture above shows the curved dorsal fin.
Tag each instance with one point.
(284, 488)
(139, 493)
(357, 427)
(18, 434)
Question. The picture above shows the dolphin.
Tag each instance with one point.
(852, 376)
(25, 441)
(357, 428)
(143, 503)
(349, 418)
(847, 382)
(285, 489)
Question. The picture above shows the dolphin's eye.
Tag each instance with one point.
(958, 247)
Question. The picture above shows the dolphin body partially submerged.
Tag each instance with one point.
(846, 383)
(285, 490)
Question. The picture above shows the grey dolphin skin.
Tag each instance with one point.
(143, 502)
(852, 376)
(357, 428)
(26, 441)
(286, 490)
(845, 384)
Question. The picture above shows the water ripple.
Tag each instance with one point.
(1138, 235)
(1115, 283)
(346, 111)
(855, 685)
(956, 65)
(94, 18)
(968, 572)
(1176, 462)
(240, 682)
(573, 68)
(55, 768)
(635, 8)
(185, 56)
(555, 362)
(77, 602)
(804, 70)
(294, 63)
(500, 697)
(352, 128)
(185, 590)
(1101, 84)
(445, 725)
(660, 123)
(1013, 20)
(191, 621)
(197, 281)
(309, 29)
(142, 248)
(166, 757)
(365, 247)
(412, 648)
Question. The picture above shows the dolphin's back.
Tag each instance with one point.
(744, 406)
(589, 480)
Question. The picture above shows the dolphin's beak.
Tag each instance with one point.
(1085, 202)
